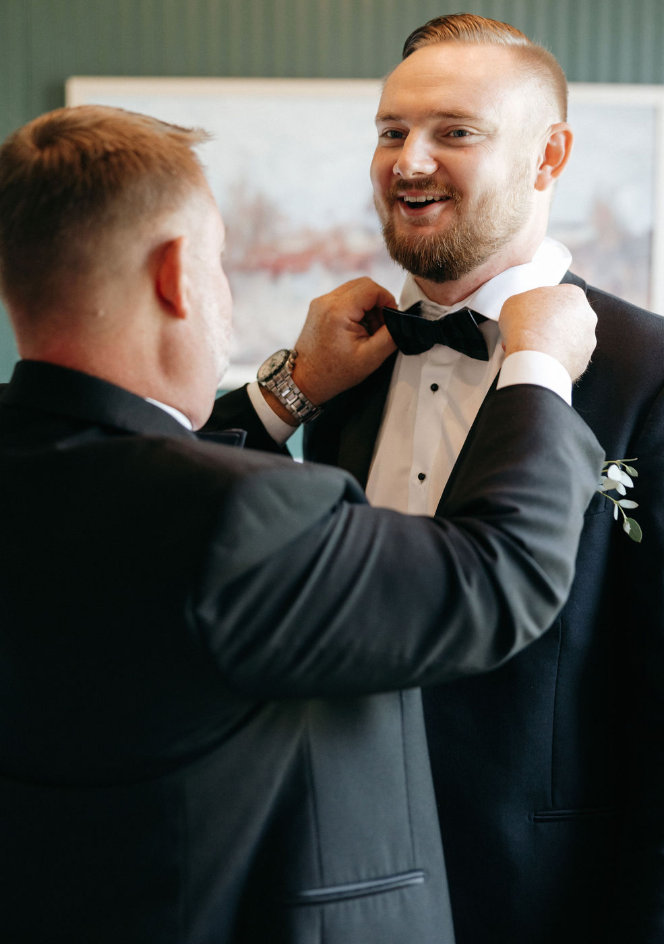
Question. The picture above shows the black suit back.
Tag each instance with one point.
(209, 730)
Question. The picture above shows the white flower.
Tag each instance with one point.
(617, 476)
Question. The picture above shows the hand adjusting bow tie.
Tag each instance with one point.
(414, 334)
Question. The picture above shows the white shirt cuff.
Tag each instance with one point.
(278, 429)
(534, 367)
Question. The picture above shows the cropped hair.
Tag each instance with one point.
(479, 30)
(75, 174)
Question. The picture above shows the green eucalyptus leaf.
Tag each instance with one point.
(634, 531)
(615, 477)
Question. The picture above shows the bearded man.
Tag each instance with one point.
(549, 772)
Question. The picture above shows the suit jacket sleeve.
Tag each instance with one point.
(641, 882)
(309, 592)
(235, 409)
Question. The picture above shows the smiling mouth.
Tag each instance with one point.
(422, 201)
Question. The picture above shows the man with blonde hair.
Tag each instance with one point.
(549, 772)
(209, 726)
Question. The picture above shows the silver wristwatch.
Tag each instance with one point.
(276, 375)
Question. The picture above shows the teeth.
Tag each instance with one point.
(422, 199)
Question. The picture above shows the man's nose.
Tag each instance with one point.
(415, 158)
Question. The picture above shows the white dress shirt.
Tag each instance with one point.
(434, 397)
(278, 429)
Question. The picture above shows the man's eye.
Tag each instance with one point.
(392, 135)
(459, 133)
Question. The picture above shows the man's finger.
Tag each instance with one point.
(373, 319)
(361, 296)
(377, 347)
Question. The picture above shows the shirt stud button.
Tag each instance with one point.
(434, 387)
(421, 476)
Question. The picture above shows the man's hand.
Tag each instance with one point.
(556, 320)
(343, 339)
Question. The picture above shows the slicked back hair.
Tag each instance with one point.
(479, 30)
(74, 175)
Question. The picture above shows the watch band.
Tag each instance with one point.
(289, 394)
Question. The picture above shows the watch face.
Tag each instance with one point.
(272, 365)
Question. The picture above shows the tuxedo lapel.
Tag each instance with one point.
(582, 391)
(597, 396)
(466, 445)
(577, 400)
(359, 433)
(570, 279)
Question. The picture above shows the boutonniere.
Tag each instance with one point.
(617, 476)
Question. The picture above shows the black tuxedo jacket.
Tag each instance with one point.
(549, 773)
(209, 726)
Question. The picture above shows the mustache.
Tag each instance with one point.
(423, 186)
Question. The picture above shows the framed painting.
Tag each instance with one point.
(609, 204)
(288, 163)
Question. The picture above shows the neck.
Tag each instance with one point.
(108, 363)
(518, 252)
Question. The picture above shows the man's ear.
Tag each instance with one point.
(171, 279)
(557, 149)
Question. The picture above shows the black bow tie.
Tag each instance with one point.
(414, 334)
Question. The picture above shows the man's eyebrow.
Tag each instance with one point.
(431, 115)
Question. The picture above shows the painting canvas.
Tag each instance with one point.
(289, 166)
(608, 204)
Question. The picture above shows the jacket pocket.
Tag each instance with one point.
(599, 503)
(560, 816)
(377, 886)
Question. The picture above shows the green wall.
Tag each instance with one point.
(42, 42)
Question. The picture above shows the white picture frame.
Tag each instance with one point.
(289, 167)
(617, 162)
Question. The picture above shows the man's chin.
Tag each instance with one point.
(434, 223)
(433, 262)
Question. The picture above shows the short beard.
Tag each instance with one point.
(466, 244)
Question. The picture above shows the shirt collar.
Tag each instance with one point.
(180, 417)
(547, 267)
